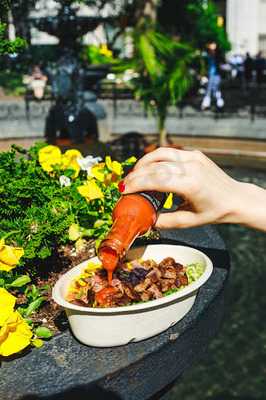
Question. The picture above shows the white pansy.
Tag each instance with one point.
(86, 163)
(64, 180)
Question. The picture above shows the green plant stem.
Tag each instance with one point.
(9, 234)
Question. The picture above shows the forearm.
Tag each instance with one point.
(251, 211)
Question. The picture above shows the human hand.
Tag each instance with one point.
(209, 194)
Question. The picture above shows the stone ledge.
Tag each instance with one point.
(64, 368)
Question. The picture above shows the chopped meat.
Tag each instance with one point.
(145, 296)
(117, 284)
(132, 294)
(136, 264)
(179, 267)
(90, 297)
(167, 262)
(178, 282)
(143, 286)
(167, 284)
(154, 275)
(137, 281)
(156, 294)
(183, 280)
(148, 264)
(169, 272)
(98, 283)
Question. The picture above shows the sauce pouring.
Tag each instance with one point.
(133, 216)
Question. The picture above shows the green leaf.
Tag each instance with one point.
(37, 343)
(33, 306)
(21, 281)
(43, 332)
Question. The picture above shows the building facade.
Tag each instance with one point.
(246, 26)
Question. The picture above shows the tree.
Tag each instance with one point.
(7, 46)
(20, 10)
(162, 67)
(195, 21)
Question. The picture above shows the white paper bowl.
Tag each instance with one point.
(106, 327)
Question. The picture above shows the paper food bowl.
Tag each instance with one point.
(107, 327)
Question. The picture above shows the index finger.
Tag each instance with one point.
(161, 154)
(164, 154)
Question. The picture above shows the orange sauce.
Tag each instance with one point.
(109, 260)
(102, 296)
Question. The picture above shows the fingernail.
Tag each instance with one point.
(121, 186)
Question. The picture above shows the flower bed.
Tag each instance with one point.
(54, 210)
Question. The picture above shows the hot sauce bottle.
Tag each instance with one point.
(133, 215)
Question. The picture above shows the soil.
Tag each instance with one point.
(51, 314)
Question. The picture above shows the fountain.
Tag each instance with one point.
(73, 116)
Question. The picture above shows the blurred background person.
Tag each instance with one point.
(36, 82)
(259, 67)
(236, 62)
(214, 61)
(248, 70)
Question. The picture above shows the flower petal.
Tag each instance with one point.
(15, 335)
(69, 160)
(117, 168)
(49, 156)
(64, 181)
(97, 172)
(9, 257)
(90, 191)
(86, 163)
(108, 162)
(113, 166)
(7, 304)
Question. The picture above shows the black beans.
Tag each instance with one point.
(140, 272)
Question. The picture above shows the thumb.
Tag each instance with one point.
(179, 219)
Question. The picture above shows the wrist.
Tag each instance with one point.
(249, 206)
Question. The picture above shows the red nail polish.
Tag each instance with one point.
(121, 186)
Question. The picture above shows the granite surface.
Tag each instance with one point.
(65, 369)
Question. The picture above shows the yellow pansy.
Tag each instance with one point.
(7, 304)
(49, 156)
(69, 160)
(113, 166)
(97, 172)
(90, 190)
(9, 256)
(169, 201)
(15, 335)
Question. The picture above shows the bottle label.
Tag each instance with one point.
(157, 199)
